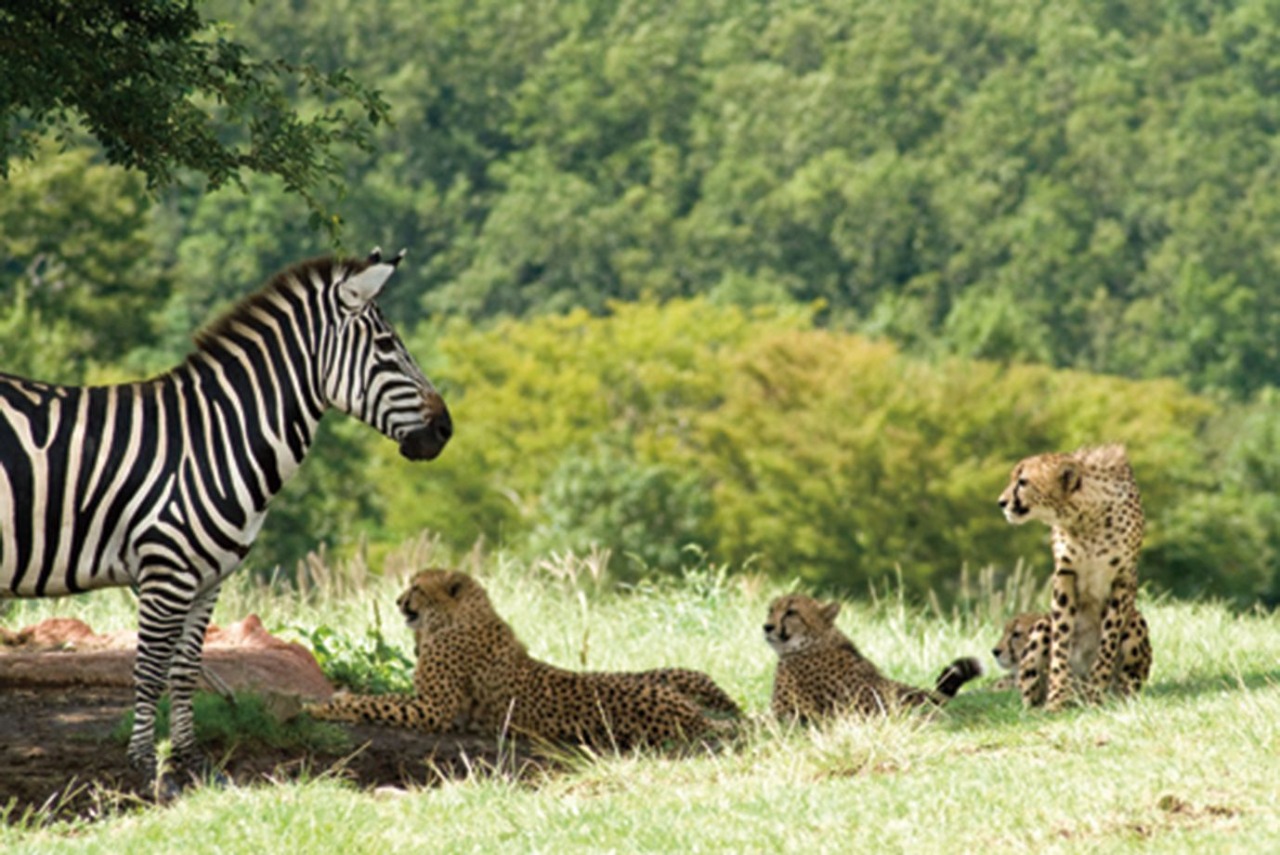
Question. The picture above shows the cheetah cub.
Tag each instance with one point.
(1015, 652)
(821, 673)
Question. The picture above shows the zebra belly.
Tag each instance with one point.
(76, 559)
(31, 587)
(82, 471)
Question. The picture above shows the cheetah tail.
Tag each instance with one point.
(956, 675)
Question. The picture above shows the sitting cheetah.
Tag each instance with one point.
(1091, 501)
(1011, 653)
(821, 673)
(473, 673)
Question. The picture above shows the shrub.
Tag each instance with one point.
(643, 513)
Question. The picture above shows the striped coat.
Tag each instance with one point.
(164, 484)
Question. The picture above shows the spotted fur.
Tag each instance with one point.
(821, 673)
(1011, 652)
(1090, 500)
(473, 673)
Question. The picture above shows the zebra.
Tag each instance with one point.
(162, 485)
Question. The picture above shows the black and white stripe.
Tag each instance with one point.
(164, 484)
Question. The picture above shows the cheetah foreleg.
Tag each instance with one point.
(397, 710)
(1062, 636)
(1115, 619)
(1135, 656)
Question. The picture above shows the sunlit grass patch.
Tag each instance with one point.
(1187, 765)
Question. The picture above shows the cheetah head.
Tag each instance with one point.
(797, 622)
(1008, 650)
(1040, 488)
(437, 599)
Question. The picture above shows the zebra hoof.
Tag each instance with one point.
(144, 770)
(186, 774)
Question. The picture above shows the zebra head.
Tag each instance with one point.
(371, 375)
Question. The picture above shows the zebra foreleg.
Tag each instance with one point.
(160, 623)
(184, 672)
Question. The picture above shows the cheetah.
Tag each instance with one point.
(821, 673)
(473, 673)
(1012, 646)
(1009, 652)
(1090, 500)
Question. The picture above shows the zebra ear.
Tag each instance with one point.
(358, 290)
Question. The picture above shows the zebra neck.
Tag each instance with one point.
(254, 406)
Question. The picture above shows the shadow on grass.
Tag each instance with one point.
(1206, 684)
(984, 707)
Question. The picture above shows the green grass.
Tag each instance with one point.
(247, 724)
(1189, 766)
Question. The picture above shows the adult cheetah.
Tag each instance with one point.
(1090, 500)
(473, 673)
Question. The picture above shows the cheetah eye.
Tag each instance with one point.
(1022, 482)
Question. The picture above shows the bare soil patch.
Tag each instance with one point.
(58, 756)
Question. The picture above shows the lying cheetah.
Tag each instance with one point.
(1091, 501)
(473, 673)
(1012, 646)
(821, 673)
(1011, 653)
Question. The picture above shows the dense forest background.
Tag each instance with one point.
(790, 285)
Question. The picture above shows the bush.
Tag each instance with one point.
(643, 513)
(807, 453)
(841, 461)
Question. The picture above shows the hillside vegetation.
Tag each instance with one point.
(791, 283)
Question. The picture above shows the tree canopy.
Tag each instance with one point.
(1085, 185)
(163, 90)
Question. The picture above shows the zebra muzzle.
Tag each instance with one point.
(426, 442)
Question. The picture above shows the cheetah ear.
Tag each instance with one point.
(456, 585)
(829, 611)
(1070, 478)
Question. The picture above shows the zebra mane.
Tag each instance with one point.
(321, 268)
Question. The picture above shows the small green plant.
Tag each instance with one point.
(367, 665)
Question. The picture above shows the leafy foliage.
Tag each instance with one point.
(33, 347)
(527, 395)
(163, 91)
(810, 453)
(644, 514)
(367, 665)
(840, 460)
(1079, 184)
(76, 252)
